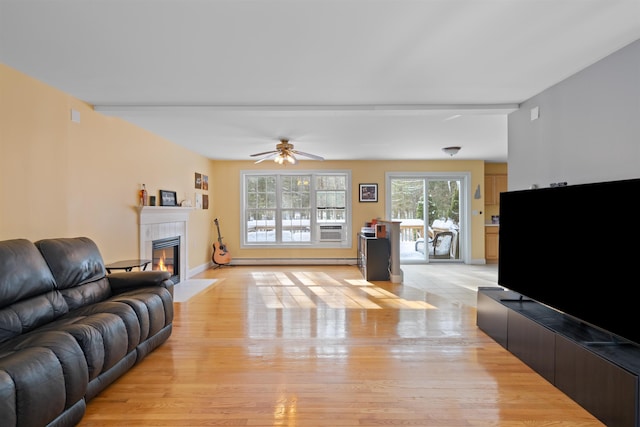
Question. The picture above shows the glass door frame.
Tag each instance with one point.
(464, 236)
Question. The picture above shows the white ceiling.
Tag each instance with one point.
(344, 79)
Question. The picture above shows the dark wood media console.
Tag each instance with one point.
(584, 362)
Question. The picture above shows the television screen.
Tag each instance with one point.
(575, 249)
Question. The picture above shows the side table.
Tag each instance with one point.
(127, 265)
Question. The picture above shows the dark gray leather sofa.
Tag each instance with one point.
(68, 330)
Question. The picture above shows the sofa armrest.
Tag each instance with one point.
(131, 280)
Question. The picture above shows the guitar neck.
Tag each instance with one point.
(218, 228)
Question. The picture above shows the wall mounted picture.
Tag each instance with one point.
(205, 201)
(205, 182)
(198, 200)
(168, 198)
(198, 180)
(368, 192)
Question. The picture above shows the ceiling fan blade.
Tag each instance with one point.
(269, 157)
(312, 156)
(263, 153)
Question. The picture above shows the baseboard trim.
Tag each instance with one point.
(294, 261)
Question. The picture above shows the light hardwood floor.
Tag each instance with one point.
(319, 346)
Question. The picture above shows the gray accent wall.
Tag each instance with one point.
(588, 128)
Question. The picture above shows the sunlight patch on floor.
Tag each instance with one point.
(279, 290)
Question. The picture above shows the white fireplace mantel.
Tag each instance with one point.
(161, 222)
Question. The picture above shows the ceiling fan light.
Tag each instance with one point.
(452, 151)
(284, 152)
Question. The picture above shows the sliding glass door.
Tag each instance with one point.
(432, 211)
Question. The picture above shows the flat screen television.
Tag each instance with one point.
(576, 249)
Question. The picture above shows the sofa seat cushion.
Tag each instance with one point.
(131, 332)
(153, 305)
(105, 333)
(69, 356)
(101, 336)
(33, 383)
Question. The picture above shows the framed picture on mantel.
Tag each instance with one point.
(168, 198)
(368, 192)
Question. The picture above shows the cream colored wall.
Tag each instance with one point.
(226, 204)
(62, 179)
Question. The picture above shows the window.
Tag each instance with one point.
(303, 208)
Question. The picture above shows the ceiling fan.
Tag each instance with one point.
(284, 152)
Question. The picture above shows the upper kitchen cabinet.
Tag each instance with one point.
(493, 186)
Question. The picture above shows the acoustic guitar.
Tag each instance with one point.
(221, 255)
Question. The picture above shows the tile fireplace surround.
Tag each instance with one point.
(161, 222)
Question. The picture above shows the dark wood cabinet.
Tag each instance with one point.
(532, 343)
(598, 384)
(601, 375)
(492, 316)
(373, 257)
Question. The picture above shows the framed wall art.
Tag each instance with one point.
(168, 198)
(368, 192)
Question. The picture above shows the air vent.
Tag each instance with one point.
(331, 233)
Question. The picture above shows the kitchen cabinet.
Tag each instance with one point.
(493, 186)
(491, 248)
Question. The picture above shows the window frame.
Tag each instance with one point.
(314, 224)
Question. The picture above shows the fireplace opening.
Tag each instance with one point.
(166, 256)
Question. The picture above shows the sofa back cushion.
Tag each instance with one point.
(28, 297)
(78, 269)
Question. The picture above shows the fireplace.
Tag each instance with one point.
(166, 256)
(159, 223)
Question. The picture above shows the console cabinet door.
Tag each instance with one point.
(609, 392)
(533, 343)
(492, 317)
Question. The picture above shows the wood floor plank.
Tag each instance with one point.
(319, 346)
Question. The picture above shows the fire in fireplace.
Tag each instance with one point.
(166, 256)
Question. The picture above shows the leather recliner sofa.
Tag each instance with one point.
(68, 330)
